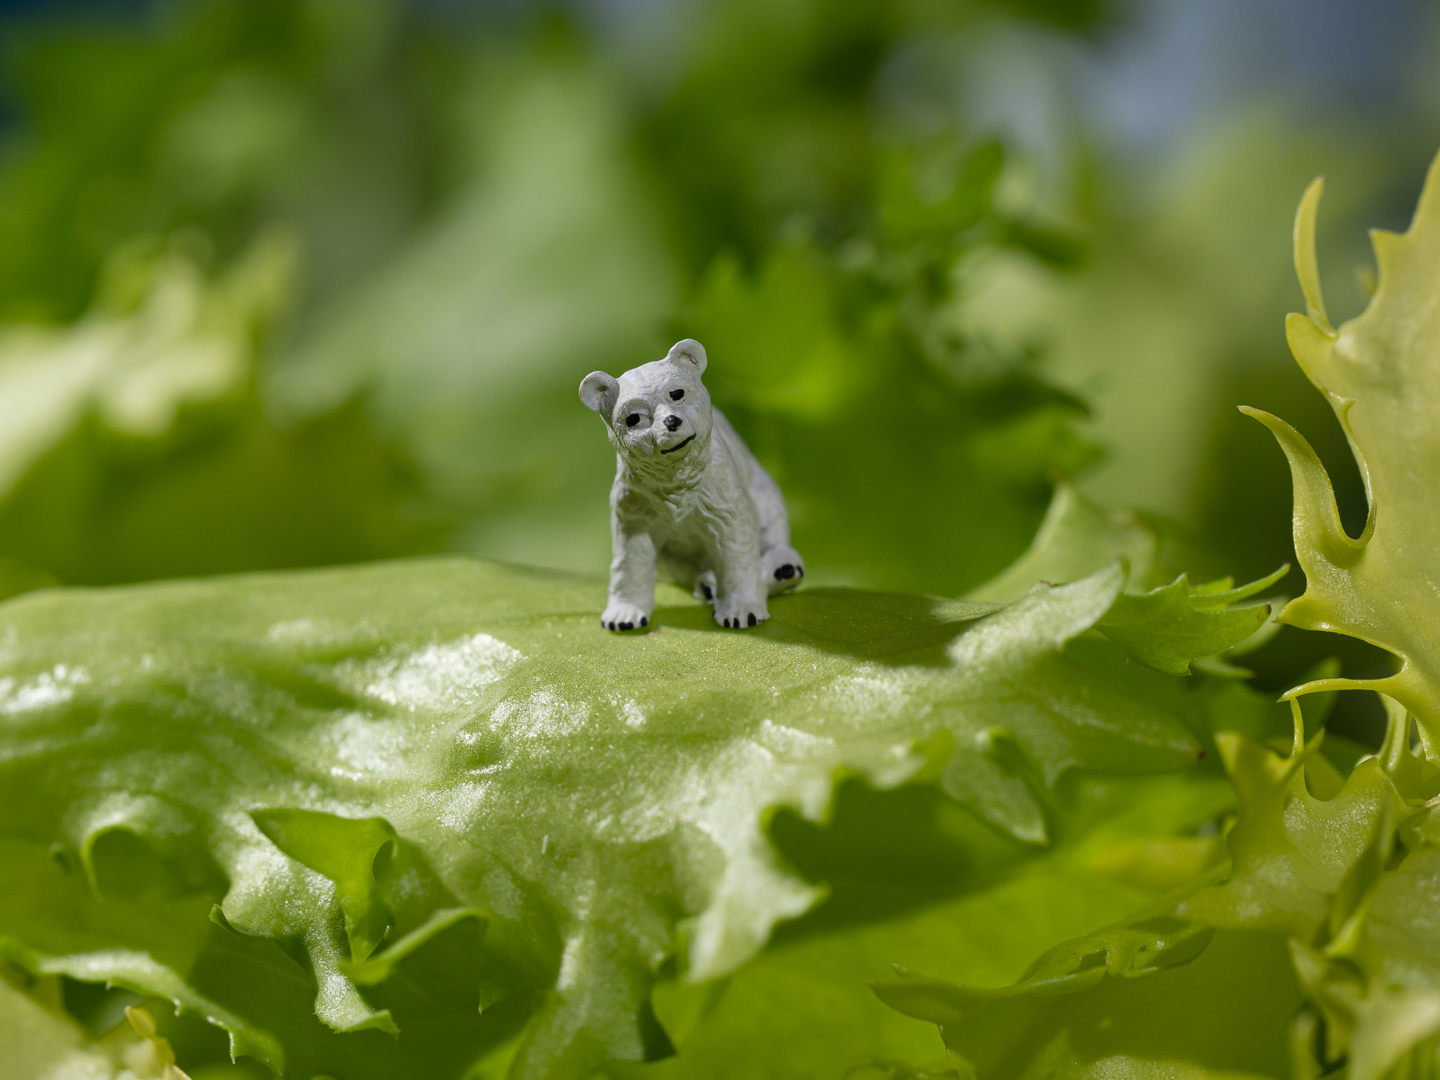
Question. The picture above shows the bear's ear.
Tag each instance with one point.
(597, 391)
(688, 351)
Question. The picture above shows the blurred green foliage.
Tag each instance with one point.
(149, 164)
(480, 216)
(135, 444)
(223, 116)
(484, 207)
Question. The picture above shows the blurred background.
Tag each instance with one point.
(287, 283)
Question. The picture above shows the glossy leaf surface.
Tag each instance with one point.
(352, 760)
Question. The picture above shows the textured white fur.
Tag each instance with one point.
(689, 496)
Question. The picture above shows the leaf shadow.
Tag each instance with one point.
(892, 628)
(880, 852)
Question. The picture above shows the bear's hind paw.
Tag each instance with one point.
(782, 568)
(705, 587)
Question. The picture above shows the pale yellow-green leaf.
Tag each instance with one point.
(1381, 374)
(39, 1041)
(160, 338)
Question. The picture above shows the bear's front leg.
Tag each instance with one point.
(740, 592)
(632, 580)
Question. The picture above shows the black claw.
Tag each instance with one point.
(708, 594)
(612, 624)
(644, 620)
(627, 626)
(752, 618)
(800, 571)
(784, 573)
(727, 624)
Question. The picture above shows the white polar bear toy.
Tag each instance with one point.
(688, 495)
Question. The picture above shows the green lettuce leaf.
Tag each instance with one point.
(38, 1038)
(1334, 874)
(400, 784)
(1165, 627)
(1133, 996)
(1075, 539)
(915, 880)
(1348, 881)
(1162, 992)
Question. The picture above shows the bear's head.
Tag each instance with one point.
(658, 414)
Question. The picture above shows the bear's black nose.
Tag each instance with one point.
(672, 422)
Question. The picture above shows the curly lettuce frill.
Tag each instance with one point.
(1315, 952)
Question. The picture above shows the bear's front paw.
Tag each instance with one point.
(782, 568)
(738, 614)
(622, 616)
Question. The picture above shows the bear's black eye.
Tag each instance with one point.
(632, 419)
(676, 395)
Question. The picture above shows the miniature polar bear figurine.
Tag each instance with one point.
(688, 495)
